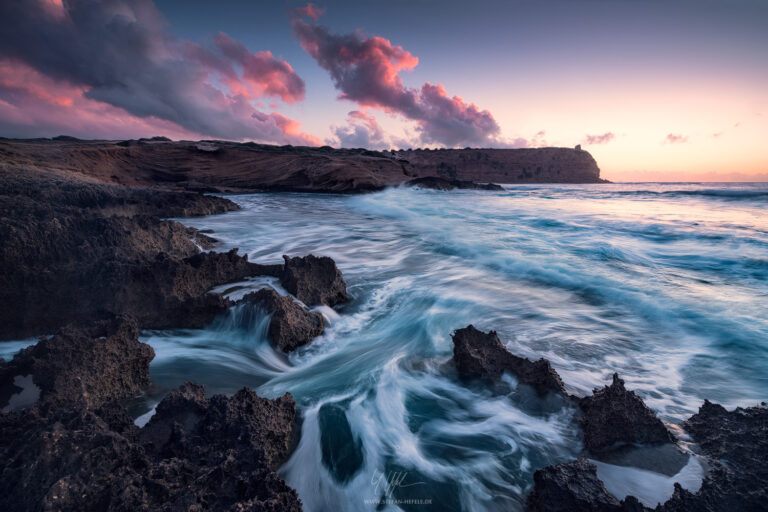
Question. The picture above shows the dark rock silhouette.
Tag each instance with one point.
(449, 184)
(291, 325)
(229, 166)
(574, 487)
(613, 415)
(480, 354)
(736, 443)
(733, 443)
(84, 367)
(314, 280)
(194, 454)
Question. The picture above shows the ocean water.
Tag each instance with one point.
(666, 284)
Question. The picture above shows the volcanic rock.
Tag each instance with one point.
(314, 280)
(736, 443)
(574, 487)
(291, 325)
(436, 183)
(480, 354)
(189, 425)
(76, 251)
(613, 415)
(84, 367)
(195, 454)
(733, 443)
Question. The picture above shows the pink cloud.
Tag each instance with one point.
(673, 138)
(367, 70)
(362, 131)
(41, 106)
(605, 138)
(120, 55)
(263, 75)
(310, 10)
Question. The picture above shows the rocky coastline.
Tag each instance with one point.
(731, 443)
(89, 262)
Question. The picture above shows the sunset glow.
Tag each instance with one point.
(654, 92)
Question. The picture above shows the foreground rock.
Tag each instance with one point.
(195, 454)
(314, 280)
(436, 183)
(574, 487)
(480, 354)
(291, 325)
(733, 443)
(613, 415)
(83, 367)
(736, 443)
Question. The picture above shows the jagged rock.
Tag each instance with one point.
(86, 367)
(314, 280)
(737, 444)
(189, 425)
(81, 251)
(575, 487)
(480, 354)
(613, 415)
(436, 183)
(291, 325)
(215, 454)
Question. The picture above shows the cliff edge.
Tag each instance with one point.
(221, 166)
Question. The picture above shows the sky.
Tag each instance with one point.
(655, 90)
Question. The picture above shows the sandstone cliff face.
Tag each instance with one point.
(212, 166)
(530, 165)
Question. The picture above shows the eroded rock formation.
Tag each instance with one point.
(220, 166)
(613, 415)
(291, 325)
(480, 354)
(195, 454)
(314, 280)
(83, 367)
(436, 183)
(574, 487)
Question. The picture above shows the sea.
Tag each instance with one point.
(664, 283)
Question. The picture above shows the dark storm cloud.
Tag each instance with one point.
(120, 53)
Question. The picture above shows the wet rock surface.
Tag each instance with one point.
(81, 251)
(614, 415)
(733, 444)
(83, 367)
(736, 443)
(480, 354)
(314, 280)
(195, 454)
(291, 325)
(574, 487)
(435, 183)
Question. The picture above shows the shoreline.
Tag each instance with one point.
(51, 217)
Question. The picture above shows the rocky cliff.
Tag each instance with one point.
(539, 165)
(228, 166)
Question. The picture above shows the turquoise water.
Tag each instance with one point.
(665, 284)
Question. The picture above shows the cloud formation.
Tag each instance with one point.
(362, 131)
(675, 138)
(599, 139)
(117, 56)
(366, 70)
